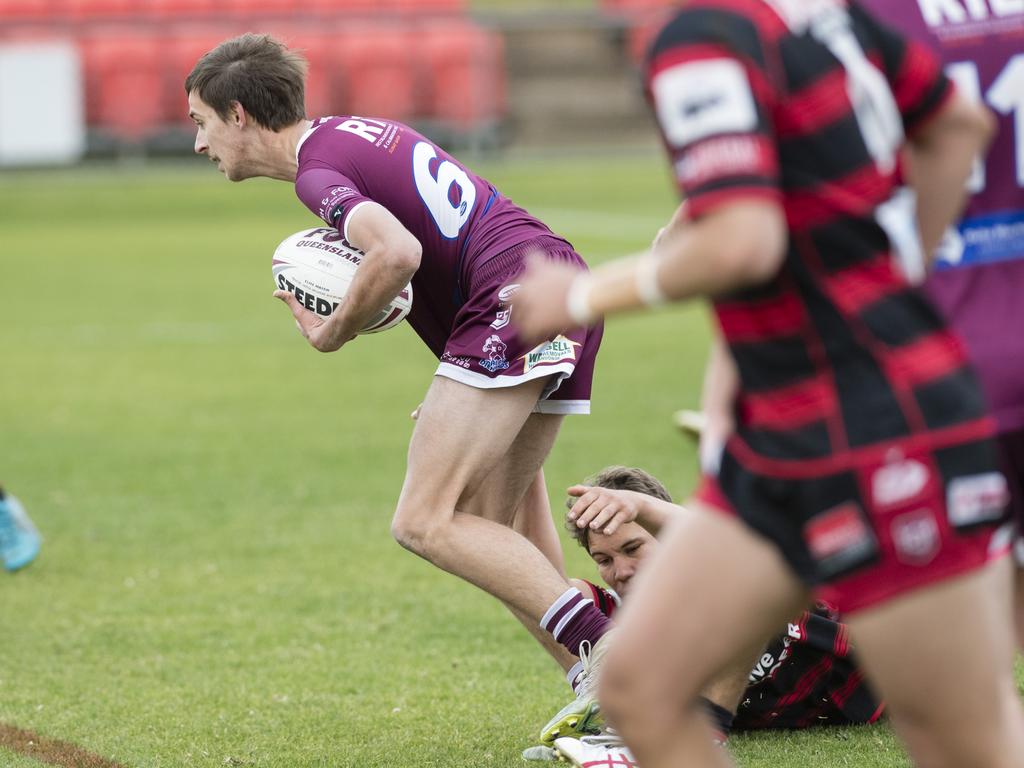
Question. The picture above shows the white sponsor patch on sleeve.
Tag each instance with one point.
(975, 499)
(703, 98)
(721, 156)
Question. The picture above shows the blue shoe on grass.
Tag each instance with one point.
(19, 539)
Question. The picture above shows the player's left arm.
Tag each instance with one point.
(939, 157)
(946, 131)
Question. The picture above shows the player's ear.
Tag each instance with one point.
(238, 116)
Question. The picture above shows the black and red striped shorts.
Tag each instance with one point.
(904, 515)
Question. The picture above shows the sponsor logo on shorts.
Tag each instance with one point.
(502, 318)
(555, 351)
(495, 348)
(915, 537)
(976, 499)
(765, 665)
(839, 538)
(899, 481)
(459, 360)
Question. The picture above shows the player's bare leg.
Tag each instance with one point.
(1018, 603)
(952, 696)
(727, 577)
(467, 440)
(727, 688)
(533, 520)
(533, 517)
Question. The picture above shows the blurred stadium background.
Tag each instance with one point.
(109, 73)
(217, 585)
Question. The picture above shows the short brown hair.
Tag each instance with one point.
(258, 72)
(616, 478)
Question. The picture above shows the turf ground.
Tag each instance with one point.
(218, 585)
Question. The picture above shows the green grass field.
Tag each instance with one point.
(218, 586)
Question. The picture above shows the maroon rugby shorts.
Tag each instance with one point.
(484, 349)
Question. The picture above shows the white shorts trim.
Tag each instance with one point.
(480, 381)
(563, 407)
(560, 371)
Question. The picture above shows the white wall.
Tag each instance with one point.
(42, 118)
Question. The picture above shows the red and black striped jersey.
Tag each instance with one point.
(807, 103)
(805, 676)
(605, 599)
(808, 676)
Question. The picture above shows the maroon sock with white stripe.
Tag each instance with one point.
(573, 618)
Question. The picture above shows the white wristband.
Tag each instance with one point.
(647, 287)
(578, 300)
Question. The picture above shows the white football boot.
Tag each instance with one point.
(603, 751)
(582, 715)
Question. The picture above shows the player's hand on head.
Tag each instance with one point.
(541, 308)
(318, 332)
(602, 509)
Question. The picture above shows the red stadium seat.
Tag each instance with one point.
(181, 10)
(27, 10)
(181, 50)
(332, 9)
(31, 32)
(429, 7)
(123, 82)
(187, 44)
(466, 66)
(377, 62)
(324, 82)
(99, 10)
(254, 9)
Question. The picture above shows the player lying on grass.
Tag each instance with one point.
(473, 500)
(805, 676)
(19, 539)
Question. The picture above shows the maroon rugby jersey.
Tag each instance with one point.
(807, 103)
(979, 277)
(460, 219)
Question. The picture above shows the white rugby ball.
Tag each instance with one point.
(316, 266)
